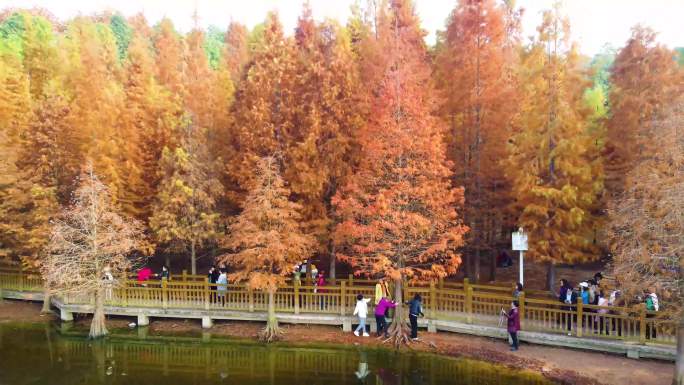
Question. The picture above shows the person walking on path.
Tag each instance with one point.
(213, 276)
(297, 274)
(222, 286)
(415, 310)
(380, 310)
(144, 275)
(513, 324)
(320, 283)
(164, 273)
(584, 293)
(361, 310)
(652, 306)
(518, 290)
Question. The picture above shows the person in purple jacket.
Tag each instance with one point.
(380, 310)
(513, 324)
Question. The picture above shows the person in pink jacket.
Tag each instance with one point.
(380, 310)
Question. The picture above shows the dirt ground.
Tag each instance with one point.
(562, 365)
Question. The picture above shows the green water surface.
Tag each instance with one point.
(38, 354)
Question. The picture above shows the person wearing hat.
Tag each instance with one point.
(584, 292)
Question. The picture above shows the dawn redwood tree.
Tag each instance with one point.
(169, 48)
(15, 107)
(236, 52)
(397, 212)
(475, 70)
(149, 124)
(644, 79)
(321, 146)
(555, 181)
(184, 215)
(646, 226)
(259, 115)
(266, 239)
(86, 240)
(95, 108)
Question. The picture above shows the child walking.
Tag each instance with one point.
(361, 310)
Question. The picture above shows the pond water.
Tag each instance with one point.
(38, 354)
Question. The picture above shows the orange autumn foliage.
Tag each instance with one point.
(397, 212)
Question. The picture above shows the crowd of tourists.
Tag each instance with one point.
(592, 292)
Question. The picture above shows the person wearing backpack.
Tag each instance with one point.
(361, 310)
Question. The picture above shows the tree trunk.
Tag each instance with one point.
(271, 332)
(46, 301)
(467, 261)
(167, 261)
(551, 277)
(97, 326)
(193, 259)
(492, 267)
(476, 273)
(679, 367)
(333, 262)
(398, 331)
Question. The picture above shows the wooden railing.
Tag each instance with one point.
(464, 302)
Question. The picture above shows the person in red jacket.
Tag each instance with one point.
(513, 324)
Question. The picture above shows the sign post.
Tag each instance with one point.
(519, 240)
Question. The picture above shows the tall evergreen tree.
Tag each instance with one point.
(267, 239)
(475, 70)
(398, 216)
(97, 99)
(260, 123)
(556, 183)
(236, 51)
(645, 79)
(149, 123)
(184, 214)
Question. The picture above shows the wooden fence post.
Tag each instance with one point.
(433, 300)
(642, 324)
(165, 295)
(351, 280)
(250, 292)
(296, 296)
(207, 294)
(580, 316)
(470, 304)
(343, 297)
(184, 275)
(467, 298)
(124, 293)
(441, 283)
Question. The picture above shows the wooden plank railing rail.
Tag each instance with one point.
(464, 302)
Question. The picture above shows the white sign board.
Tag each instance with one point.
(519, 239)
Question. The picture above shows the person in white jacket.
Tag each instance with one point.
(361, 310)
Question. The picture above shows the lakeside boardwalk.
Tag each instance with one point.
(457, 307)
